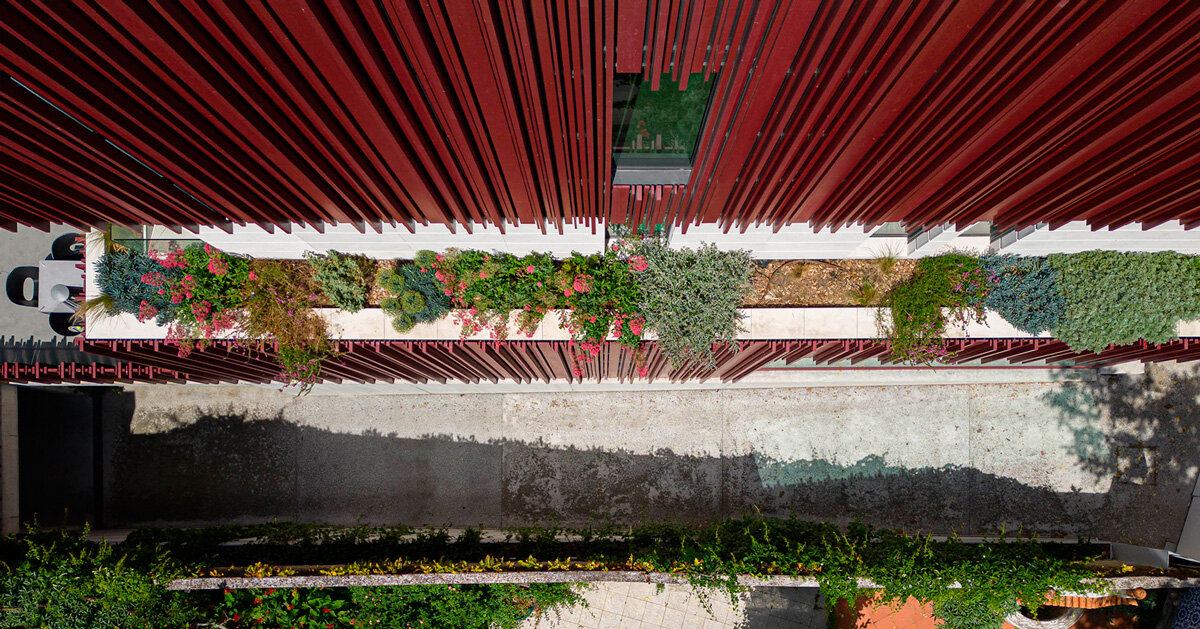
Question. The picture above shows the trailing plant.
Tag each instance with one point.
(945, 289)
(345, 279)
(994, 575)
(690, 297)
(279, 309)
(1025, 292)
(295, 607)
(1113, 298)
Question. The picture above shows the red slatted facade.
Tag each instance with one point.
(402, 111)
(530, 361)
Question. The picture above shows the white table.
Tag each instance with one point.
(52, 273)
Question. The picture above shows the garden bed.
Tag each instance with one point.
(774, 283)
(793, 283)
(690, 302)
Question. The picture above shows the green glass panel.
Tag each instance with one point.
(658, 126)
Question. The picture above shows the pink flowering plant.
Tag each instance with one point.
(946, 290)
(597, 292)
(195, 291)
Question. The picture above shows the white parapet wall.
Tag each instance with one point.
(791, 242)
(399, 242)
(757, 323)
(1077, 236)
(763, 241)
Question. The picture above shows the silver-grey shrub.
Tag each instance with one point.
(690, 297)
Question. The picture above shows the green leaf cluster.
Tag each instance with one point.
(61, 581)
(1025, 292)
(691, 297)
(944, 288)
(345, 279)
(1114, 298)
(415, 294)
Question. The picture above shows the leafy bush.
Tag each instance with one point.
(411, 302)
(1113, 298)
(120, 275)
(597, 291)
(918, 324)
(345, 279)
(690, 298)
(422, 280)
(279, 304)
(64, 582)
(466, 606)
(417, 297)
(296, 607)
(389, 280)
(1025, 292)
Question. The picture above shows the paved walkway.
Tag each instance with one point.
(1111, 459)
(638, 606)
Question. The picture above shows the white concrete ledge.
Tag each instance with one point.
(758, 324)
(573, 576)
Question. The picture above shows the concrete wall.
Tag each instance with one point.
(794, 241)
(1077, 236)
(398, 242)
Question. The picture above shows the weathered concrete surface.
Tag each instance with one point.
(1111, 459)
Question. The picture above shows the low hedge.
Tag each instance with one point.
(1090, 301)
(993, 576)
(1114, 298)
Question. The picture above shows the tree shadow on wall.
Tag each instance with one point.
(1144, 433)
(231, 468)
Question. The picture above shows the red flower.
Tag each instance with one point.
(325, 609)
(237, 617)
(529, 269)
(257, 599)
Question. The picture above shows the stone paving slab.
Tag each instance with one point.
(640, 605)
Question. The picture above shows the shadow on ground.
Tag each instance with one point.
(1144, 433)
(237, 468)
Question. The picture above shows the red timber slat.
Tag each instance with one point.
(499, 112)
(527, 361)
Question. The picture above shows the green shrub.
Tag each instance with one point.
(918, 323)
(1113, 298)
(295, 607)
(391, 306)
(466, 606)
(690, 298)
(993, 575)
(64, 582)
(412, 302)
(389, 280)
(412, 279)
(1024, 292)
(425, 259)
(403, 323)
(345, 279)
